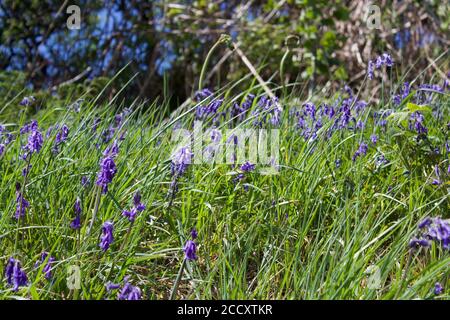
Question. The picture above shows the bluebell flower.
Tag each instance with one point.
(374, 138)
(437, 180)
(181, 161)
(438, 289)
(384, 60)
(28, 127)
(14, 274)
(422, 242)
(360, 125)
(434, 229)
(129, 292)
(47, 270)
(403, 93)
(21, 203)
(108, 167)
(107, 235)
(76, 222)
(35, 142)
(8, 138)
(137, 202)
(370, 69)
(27, 101)
(388, 60)
(112, 286)
(190, 250)
(425, 223)
(95, 124)
(61, 136)
(138, 207)
(267, 109)
(9, 268)
(240, 111)
(247, 167)
(381, 160)
(84, 181)
(417, 123)
(362, 150)
(130, 214)
(202, 94)
(194, 234)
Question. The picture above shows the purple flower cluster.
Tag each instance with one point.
(48, 266)
(403, 93)
(425, 93)
(344, 114)
(383, 60)
(194, 234)
(127, 292)
(27, 101)
(108, 134)
(202, 94)
(35, 139)
(362, 151)
(209, 110)
(137, 207)
(432, 229)
(108, 167)
(61, 136)
(5, 139)
(14, 274)
(438, 289)
(76, 222)
(437, 181)
(21, 203)
(240, 111)
(381, 160)
(107, 235)
(417, 123)
(28, 127)
(190, 248)
(180, 162)
(267, 109)
(95, 124)
(247, 167)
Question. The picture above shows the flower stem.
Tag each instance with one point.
(94, 214)
(177, 281)
(222, 39)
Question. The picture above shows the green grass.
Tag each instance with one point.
(314, 231)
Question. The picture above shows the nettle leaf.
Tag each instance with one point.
(412, 107)
(400, 117)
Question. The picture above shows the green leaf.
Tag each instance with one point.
(412, 107)
(400, 117)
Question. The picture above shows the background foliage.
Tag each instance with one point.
(165, 43)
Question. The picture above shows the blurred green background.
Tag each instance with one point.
(164, 44)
